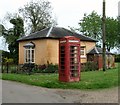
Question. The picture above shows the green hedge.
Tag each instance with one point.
(89, 66)
(50, 68)
(117, 58)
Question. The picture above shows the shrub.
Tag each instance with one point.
(89, 66)
(50, 68)
(38, 68)
(26, 68)
(117, 58)
(14, 71)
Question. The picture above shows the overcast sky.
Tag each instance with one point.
(67, 12)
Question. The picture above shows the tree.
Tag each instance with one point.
(18, 26)
(7, 61)
(37, 14)
(12, 35)
(90, 25)
(3, 31)
(111, 33)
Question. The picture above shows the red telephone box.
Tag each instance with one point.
(69, 59)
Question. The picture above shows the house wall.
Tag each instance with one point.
(88, 47)
(110, 61)
(97, 58)
(21, 52)
(52, 52)
(40, 51)
(99, 61)
(47, 50)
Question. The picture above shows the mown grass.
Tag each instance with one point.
(89, 80)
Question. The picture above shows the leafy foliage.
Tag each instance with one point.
(91, 25)
(30, 68)
(11, 35)
(117, 58)
(18, 30)
(50, 68)
(118, 39)
(2, 30)
(9, 60)
(5, 55)
(18, 26)
(89, 66)
(26, 68)
(111, 33)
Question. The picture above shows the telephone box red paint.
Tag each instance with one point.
(69, 59)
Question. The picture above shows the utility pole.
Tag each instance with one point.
(103, 37)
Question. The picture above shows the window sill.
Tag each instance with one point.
(29, 62)
(83, 57)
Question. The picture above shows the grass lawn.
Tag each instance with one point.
(89, 80)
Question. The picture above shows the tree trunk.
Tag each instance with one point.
(7, 67)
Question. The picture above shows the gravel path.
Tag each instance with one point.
(13, 92)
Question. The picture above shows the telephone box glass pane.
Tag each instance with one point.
(62, 57)
(74, 61)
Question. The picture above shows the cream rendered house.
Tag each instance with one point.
(43, 46)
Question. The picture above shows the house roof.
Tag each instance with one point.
(97, 50)
(55, 33)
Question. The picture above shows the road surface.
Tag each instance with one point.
(14, 92)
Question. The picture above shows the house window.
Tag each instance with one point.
(82, 52)
(29, 52)
(29, 55)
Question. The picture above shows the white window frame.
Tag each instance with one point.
(84, 51)
(26, 54)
